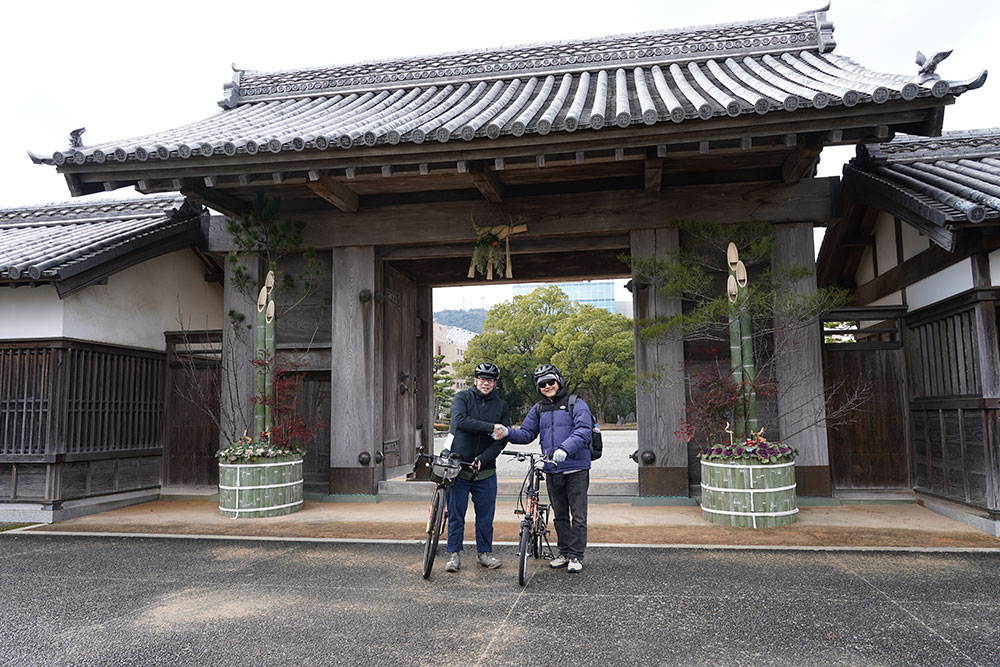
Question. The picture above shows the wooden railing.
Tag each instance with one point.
(75, 398)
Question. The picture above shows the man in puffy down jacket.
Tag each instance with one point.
(566, 440)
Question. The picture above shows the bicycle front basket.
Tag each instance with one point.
(444, 469)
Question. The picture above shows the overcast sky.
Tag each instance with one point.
(123, 71)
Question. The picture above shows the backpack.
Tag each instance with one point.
(596, 439)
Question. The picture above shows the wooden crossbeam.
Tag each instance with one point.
(487, 181)
(333, 191)
(223, 202)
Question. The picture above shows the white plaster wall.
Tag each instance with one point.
(914, 242)
(894, 299)
(30, 312)
(866, 268)
(956, 278)
(885, 242)
(995, 267)
(139, 304)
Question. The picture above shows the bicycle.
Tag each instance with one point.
(444, 470)
(535, 521)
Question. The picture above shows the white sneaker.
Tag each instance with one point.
(574, 565)
(559, 561)
(454, 562)
(489, 560)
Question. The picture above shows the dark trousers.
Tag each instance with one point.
(568, 497)
(484, 499)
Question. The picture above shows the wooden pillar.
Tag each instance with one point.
(659, 367)
(801, 400)
(355, 380)
(424, 382)
(988, 356)
(238, 351)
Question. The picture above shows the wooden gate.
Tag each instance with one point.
(191, 414)
(867, 443)
(398, 373)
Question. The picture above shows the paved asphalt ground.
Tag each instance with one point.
(69, 600)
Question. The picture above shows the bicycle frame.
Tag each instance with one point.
(535, 515)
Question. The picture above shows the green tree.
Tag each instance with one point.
(444, 387)
(593, 348)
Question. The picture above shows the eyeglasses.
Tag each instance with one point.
(485, 379)
(546, 383)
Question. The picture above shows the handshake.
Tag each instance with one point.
(499, 432)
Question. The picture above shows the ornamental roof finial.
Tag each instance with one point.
(75, 137)
(927, 67)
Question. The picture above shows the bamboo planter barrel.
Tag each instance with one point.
(268, 487)
(748, 495)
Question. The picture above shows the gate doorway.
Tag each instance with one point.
(868, 447)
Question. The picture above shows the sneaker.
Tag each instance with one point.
(454, 562)
(575, 565)
(559, 561)
(489, 560)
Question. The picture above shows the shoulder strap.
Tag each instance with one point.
(572, 400)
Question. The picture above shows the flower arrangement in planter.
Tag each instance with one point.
(754, 449)
(248, 450)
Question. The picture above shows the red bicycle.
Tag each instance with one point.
(534, 515)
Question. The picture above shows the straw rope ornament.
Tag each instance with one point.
(486, 254)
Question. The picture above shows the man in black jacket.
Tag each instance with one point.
(478, 421)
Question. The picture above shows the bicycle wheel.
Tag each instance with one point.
(522, 552)
(435, 519)
(536, 540)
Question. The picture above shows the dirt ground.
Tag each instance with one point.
(861, 525)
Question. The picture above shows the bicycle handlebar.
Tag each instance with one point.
(521, 456)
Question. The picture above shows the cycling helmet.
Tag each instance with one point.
(487, 370)
(547, 372)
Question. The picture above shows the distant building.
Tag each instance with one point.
(596, 293)
(451, 342)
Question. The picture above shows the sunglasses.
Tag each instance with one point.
(546, 383)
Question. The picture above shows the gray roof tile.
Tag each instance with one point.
(757, 67)
(54, 241)
(957, 174)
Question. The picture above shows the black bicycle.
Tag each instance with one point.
(444, 470)
(534, 515)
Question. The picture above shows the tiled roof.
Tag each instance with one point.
(675, 76)
(55, 241)
(954, 178)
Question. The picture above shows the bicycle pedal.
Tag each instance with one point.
(521, 512)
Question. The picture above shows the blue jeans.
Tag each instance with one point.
(484, 498)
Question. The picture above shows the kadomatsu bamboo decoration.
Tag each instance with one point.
(741, 345)
(264, 381)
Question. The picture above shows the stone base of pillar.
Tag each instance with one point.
(661, 481)
(352, 481)
(813, 481)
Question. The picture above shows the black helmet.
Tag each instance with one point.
(487, 370)
(548, 372)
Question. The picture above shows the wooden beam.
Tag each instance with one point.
(487, 181)
(654, 174)
(334, 192)
(223, 202)
(566, 215)
(801, 161)
(572, 244)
